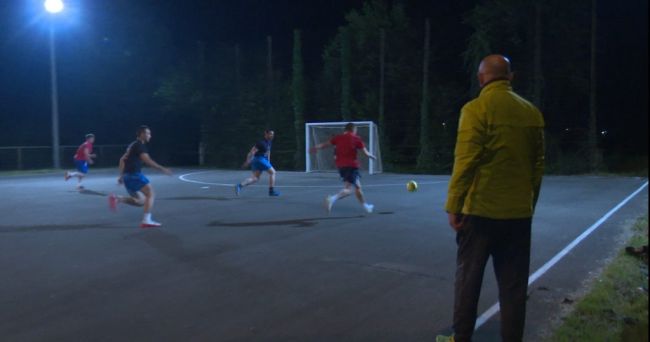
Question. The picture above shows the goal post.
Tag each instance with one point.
(323, 160)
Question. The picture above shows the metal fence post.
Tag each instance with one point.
(19, 158)
(201, 153)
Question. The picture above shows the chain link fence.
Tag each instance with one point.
(40, 157)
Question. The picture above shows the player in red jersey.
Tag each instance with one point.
(82, 159)
(346, 146)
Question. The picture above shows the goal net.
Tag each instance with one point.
(323, 160)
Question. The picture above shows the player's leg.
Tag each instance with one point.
(345, 192)
(69, 174)
(80, 179)
(255, 176)
(133, 183)
(82, 170)
(360, 197)
(149, 195)
(248, 181)
(272, 173)
(137, 199)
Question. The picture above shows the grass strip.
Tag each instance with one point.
(616, 308)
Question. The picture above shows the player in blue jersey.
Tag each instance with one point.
(137, 185)
(259, 159)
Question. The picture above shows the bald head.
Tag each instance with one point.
(493, 67)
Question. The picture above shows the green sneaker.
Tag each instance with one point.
(443, 338)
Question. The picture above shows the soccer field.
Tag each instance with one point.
(257, 268)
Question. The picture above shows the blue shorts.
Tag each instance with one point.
(133, 182)
(350, 175)
(260, 164)
(81, 165)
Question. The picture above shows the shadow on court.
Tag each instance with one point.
(53, 228)
(195, 198)
(298, 223)
(92, 192)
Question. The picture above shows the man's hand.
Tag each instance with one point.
(120, 181)
(456, 221)
(166, 171)
(247, 162)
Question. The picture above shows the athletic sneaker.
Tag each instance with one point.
(329, 202)
(238, 188)
(67, 175)
(273, 193)
(443, 338)
(112, 202)
(150, 224)
(368, 207)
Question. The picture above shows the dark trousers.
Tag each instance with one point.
(508, 243)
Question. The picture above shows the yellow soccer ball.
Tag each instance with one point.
(411, 186)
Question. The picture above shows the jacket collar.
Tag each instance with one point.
(498, 84)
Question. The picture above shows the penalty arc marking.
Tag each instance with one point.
(186, 178)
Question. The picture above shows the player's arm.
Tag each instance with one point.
(320, 146)
(88, 156)
(368, 154)
(249, 157)
(122, 163)
(147, 160)
(467, 154)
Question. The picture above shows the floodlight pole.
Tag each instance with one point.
(55, 104)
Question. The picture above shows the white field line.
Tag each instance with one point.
(185, 178)
(495, 308)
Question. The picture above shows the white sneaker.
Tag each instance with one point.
(150, 224)
(329, 202)
(368, 207)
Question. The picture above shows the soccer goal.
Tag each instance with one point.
(323, 160)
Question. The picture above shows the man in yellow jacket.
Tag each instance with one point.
(499, 161)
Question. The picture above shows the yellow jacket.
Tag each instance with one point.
(499, 156)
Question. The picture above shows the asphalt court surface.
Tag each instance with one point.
(257, 268)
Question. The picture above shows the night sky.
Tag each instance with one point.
(112, 53)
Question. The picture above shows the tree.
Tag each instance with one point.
(397, 116)
(298, 100)
(520, 30)
(595, 157)
(383, 138)
(270, 90)
(345, 76)
(425, 157)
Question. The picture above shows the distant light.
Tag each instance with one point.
(603, 133)
(566, 130)
(53, 6)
